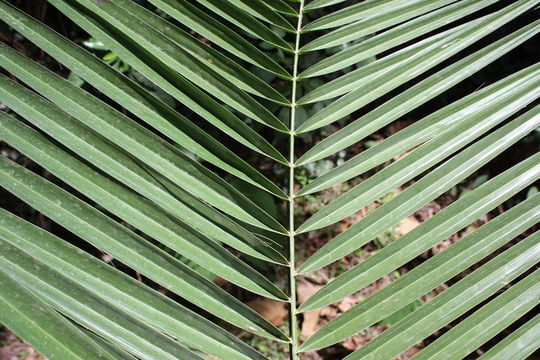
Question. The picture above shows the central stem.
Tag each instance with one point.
(293, 321)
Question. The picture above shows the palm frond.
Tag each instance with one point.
(158, 182)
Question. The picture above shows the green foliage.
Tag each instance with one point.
(191, 139)
(401, 313)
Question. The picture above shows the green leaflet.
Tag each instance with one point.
(281, 6)
(395, 36)
(120, 290)
(93, 312)
(426, 276)
(131, 95)
(155, 186)
(174, 235)
(424, 190)
(169, 54)
(124, 244)
(420, 239)
(393, 13)
(377, 70)
(136, 140)
(111, 160)
(216, 32)
(410, 99)
(487, 321)
(321, 3)
(127, 205)
(350, 14)
(261, 10)
(458, 299)
(185, 207)
(474, 115)
(518, 345)
(172, 83)
(116, 352)
(246, 22)
(41, 326)
(226, 67)
(395, 76)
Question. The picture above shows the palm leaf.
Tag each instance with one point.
(485, 281)
(520, 344)
(170, 82)
(43, 327)
(89, 310)
(155, 183)
(128, 295)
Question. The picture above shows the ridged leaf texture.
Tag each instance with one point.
(153, 184)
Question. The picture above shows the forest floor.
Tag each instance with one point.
(13, 348)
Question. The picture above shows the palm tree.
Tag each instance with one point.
(144, 179)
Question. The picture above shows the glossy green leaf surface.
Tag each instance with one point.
(281, 6)
(151, 150)
(43, 328)
(423, 278)
(372, 74)
(168, 122)
(174, 173)
(196, 19)
(93, 312)
(177, 202)
(395, 76)
(351, 13)
(127, 294)
(411, 99)
(173, 84)
(394, 12)
(479, 117)
(115, 352)
(261, 10)
(366, 229)
(134, 210)
(397, 35)
(500, 188)
(226, 67)
(458, 299)
(146, 37)
(321, 3)
(246, 22)
(487, 321)
(519, 345)
(123, 244)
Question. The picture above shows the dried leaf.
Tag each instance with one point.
(305, 290)
(407, 224)
(272, 310)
